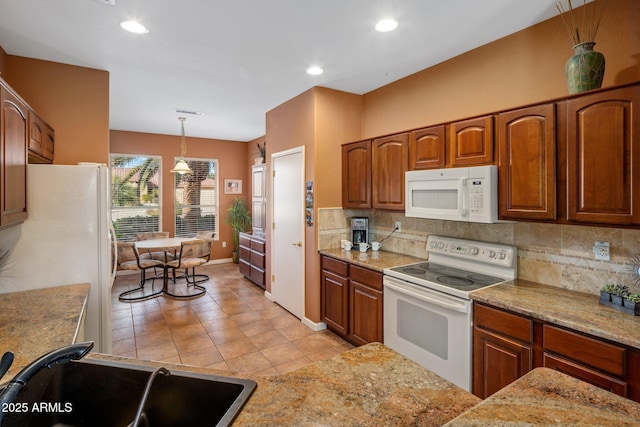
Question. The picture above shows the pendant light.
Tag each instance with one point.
(181, 166)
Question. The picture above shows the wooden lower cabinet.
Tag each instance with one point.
(507, 345)
(351, 300)
(498, 361)
(252, 258)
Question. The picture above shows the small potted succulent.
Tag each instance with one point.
(618, 293)
(632, 303)
(606, 291)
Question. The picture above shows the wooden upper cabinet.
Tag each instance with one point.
(13, 158)
(390, 159)
(356, 175)
(41, 140)
(471, 142)
(603, 153)
(427, 148)
(527, 163)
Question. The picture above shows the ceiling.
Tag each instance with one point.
(235, 60)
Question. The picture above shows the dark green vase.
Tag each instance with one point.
(585, 69)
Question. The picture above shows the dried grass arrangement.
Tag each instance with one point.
(586, 30)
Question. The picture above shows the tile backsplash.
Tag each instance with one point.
(553, 254)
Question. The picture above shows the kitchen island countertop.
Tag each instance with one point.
(35, 322)
(375, 260)
(370, 385)
(575, 310)
(547, 397)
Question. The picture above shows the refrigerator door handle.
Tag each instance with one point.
(114, 245)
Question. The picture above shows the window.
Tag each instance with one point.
(196, 198)
(135, 195)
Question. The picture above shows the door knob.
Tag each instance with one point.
(298, 244)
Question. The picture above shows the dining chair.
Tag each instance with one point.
(204, 235)
(193, 253)
(129, 259)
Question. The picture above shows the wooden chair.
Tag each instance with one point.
(129, 259)
(193, 253)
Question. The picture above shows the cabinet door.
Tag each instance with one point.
(36, 133)
(427, 148)
(335, 302)
(527, 163)
(471, 142)
(365, 322)
(48, 143)
(356, 175)
(390, 159)
(497, 362)
(603, 150)
(13, 159)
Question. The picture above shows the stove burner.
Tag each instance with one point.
(455, 281)
(432, 267)
(413, 270)
(481, 278)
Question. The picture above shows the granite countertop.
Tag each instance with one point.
(370, 385)
(375, 260)
(547, 397)
(35, 322)
(575, 310)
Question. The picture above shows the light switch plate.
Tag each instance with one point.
(601, 250)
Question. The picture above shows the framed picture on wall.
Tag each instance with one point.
(232, 186)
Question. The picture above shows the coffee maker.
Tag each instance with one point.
(359, 230)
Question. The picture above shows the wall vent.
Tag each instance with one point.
(192, 112)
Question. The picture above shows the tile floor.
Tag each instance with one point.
(232, 327)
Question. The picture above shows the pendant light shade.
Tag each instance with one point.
(181, 166)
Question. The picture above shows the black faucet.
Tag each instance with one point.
(61, 355)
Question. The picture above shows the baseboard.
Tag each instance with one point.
(268, 296)
(219, 261)
(319, 326)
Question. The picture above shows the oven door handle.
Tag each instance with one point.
(422, 296)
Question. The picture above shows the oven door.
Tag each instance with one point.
(430, 328)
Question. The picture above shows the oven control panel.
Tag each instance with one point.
(485, 252)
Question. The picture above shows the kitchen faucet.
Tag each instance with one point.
(61, 355)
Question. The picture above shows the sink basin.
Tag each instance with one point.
(105, 393)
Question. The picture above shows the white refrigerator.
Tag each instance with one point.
(67, 239)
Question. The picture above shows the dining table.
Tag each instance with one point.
(168, 245)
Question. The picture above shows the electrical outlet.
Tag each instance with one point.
(601, 250)
(224, 244)
(398, 226)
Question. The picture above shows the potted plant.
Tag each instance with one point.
(262, 152)
(240, 220)
(632, 302)
(606, 291)
(619, 292)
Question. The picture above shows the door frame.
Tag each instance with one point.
(272, 241)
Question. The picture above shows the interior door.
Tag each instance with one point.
(287, 236)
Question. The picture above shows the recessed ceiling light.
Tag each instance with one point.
(386, 25)
(134, 27)
(315, 71)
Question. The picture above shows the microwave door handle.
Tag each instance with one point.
(462, 197)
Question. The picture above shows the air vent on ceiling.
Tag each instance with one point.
(107, 2)
(192, 112)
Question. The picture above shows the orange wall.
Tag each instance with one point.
(321, 120)
(3, 63)
(73, 100)
(232, 164)
(520, 69)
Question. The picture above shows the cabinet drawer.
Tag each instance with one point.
(575, 370)
(337, 266)
(589, 351)
(257, 245)
(257, 259)
(245, 268)
(257, 275)
(245, 254)
(509, 324)
(245, 240)
(366, 277)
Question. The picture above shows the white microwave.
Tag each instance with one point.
(456, 194)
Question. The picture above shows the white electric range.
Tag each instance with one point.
(427, 308)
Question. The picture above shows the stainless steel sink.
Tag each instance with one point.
(104, 393)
